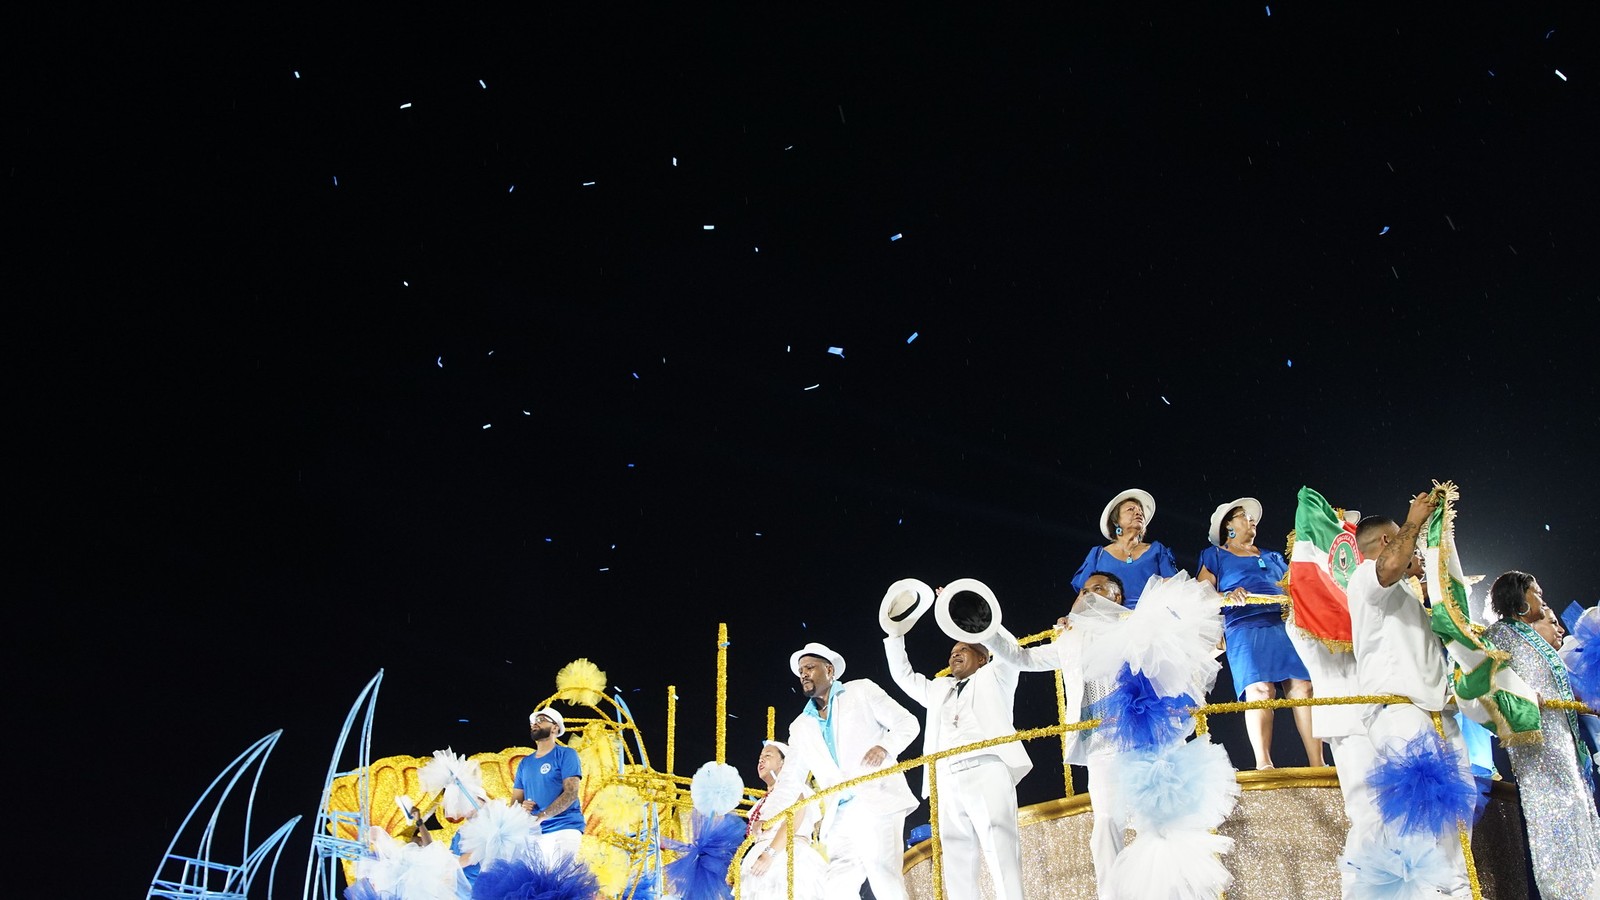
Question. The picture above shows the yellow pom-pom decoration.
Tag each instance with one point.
(581, 682)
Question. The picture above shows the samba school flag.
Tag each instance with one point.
(1487, 690)
(1322, 558)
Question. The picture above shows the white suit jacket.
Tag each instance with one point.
(1064, 653)
(864, 716)
(993, 689)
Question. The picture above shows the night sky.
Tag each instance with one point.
(312, 382)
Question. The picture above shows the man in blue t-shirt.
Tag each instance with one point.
(546, 785)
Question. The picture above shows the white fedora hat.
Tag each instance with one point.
(947, 624)
(1252, 508)
(1145, 500)
(818, 650)
(552, 715)
(903, 604)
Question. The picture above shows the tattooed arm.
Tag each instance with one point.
(1400, 559)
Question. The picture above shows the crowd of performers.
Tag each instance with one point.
(1137, 652)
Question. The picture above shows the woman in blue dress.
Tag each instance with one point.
(1128, 556)
(1260, 655)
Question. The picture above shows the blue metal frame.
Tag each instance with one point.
(184, 877)
(322, 882)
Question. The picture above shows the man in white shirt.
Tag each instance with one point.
(1396, 652)
(977, 790)
(849, 729)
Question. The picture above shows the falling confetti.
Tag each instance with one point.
(813, 387)
(1166, 401)
(1451, 223)
(1560, 76)
(487, 426)
(463, 720)
(895, 237)
(405, 106)
(482, 85)
(1547, 37)
(404, 283)
(1384, 231)
(605, 568)
(335, 181)
(526, 413)
(758, 249)
(512, 189)
(630, 465)
(1547, 528)
(708, 228)
(636, 376)
(1396, 273)
(440, 361)
(1269, 12)
(1290, 362)
(837, 351)
(549, 540)
(674, 162)
(297, 73)
(912, 338)
(1491, 73)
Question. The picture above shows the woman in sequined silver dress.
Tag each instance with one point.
(1552, 774)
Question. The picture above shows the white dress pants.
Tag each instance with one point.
(978, 818)
(1108, 833)
(866, 843)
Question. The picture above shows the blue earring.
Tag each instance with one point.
(1231, 533)
(1119, 531)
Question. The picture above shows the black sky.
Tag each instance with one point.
(264, 321)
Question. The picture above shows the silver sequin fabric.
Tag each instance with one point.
(1563, 827)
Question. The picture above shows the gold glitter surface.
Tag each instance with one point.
(1288, 831)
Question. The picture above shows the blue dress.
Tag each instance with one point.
(1134, 573)
(1259, 649)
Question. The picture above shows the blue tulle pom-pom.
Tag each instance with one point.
(1182, 785)
(1583, 664)
(1399, 869)
(701, 872)
(1421, 788)
(532, 879)
(1135, 717)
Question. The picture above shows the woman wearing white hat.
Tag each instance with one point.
(764, 874)
(1129, 556)
(1260, 654)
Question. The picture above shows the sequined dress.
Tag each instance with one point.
(1563, 827)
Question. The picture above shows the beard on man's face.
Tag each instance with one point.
(540, 732)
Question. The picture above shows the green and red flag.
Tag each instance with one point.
(1487, 689)
(1322, 557)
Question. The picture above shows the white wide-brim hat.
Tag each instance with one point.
(906, 601)
(1145, 500)
(561, 724)
(820, 650)
(947, 624)
(1252, 508)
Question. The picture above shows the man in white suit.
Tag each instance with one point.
(849, 729)
(978, 789)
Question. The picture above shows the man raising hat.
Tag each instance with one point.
(546, 785)
(849, 729)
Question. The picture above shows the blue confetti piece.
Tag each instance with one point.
(335, 181)
(636, 376)
(461, 720)
(487, 426)
(630, 465)
(900, 521)
(1290, 363)
(1491, 73)
(912, 338)
(549, 540)
(1548, 33)
(813, 387)
(837, 351)
(802, 624)
(589, 183)
(1384, 231)
(1560, 76)
(1269, 12)
(512, 189)
(482, 85)
(405, 106)
(440, 362)
(708, 228)
(895, 237)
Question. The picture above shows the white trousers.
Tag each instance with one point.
(1392, 726)
(865, 843)
(1353, 759)
(978, 817)
(1109, 831)
(556, 845)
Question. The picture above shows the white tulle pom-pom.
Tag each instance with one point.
(499, 831)
(1176, 866)
(716, 789)
(1180, 786)
(458, 777)
(410, 871)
